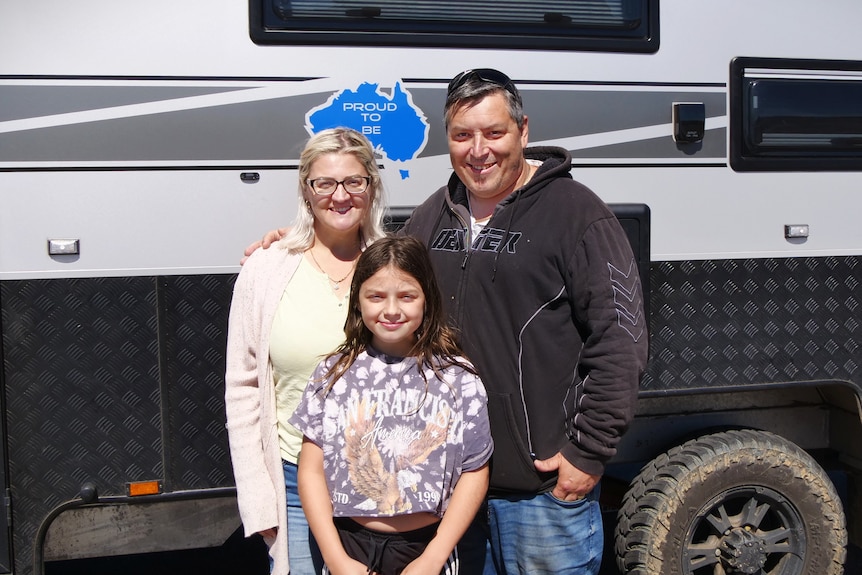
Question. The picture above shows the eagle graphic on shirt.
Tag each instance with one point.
(385, 479)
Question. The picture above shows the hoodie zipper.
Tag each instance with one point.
(462, 284)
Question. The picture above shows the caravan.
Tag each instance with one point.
(142, 147)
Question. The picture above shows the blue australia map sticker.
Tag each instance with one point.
(396, 128)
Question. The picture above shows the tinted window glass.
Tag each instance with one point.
(630, 25)
(804, 116)
(795, 115)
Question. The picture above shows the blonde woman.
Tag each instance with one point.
(288, 311)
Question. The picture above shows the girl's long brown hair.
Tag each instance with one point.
(436, 344)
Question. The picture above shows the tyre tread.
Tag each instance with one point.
(645, 518)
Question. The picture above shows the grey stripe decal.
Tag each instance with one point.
(144, 122)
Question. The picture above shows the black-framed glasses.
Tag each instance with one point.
(486, 75)
(351, 185)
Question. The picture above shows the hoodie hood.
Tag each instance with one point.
(555, 163)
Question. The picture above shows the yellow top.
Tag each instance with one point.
(308, 324)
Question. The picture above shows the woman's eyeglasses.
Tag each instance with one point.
(327, 186)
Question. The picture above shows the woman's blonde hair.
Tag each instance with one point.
(300, 236)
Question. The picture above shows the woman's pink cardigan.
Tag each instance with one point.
(250, 397)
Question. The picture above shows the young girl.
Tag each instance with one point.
(394, 462)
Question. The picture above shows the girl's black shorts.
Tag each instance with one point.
(388, 553)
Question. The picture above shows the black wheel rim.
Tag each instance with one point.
(749, 530)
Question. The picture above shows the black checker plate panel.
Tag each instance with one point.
(91, 367)
(195, 338)
(757, 321)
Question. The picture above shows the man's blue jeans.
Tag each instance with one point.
(537, 534)
(302, 551)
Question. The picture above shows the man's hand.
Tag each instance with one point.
(572, 483)
(268, 239)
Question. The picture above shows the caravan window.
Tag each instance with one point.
(797, 116)
(612, 25)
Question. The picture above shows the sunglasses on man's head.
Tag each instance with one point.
(486, 75)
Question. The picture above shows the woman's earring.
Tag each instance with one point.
(308, 205)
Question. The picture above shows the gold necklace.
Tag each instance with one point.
(335, 283)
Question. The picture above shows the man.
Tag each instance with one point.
(539, 277)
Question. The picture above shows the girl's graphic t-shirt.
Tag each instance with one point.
(394, 442)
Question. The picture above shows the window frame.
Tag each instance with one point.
(745, 159)
(263, 32)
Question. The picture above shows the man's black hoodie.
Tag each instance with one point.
(549, 305)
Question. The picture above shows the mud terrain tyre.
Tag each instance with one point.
(735, 502)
